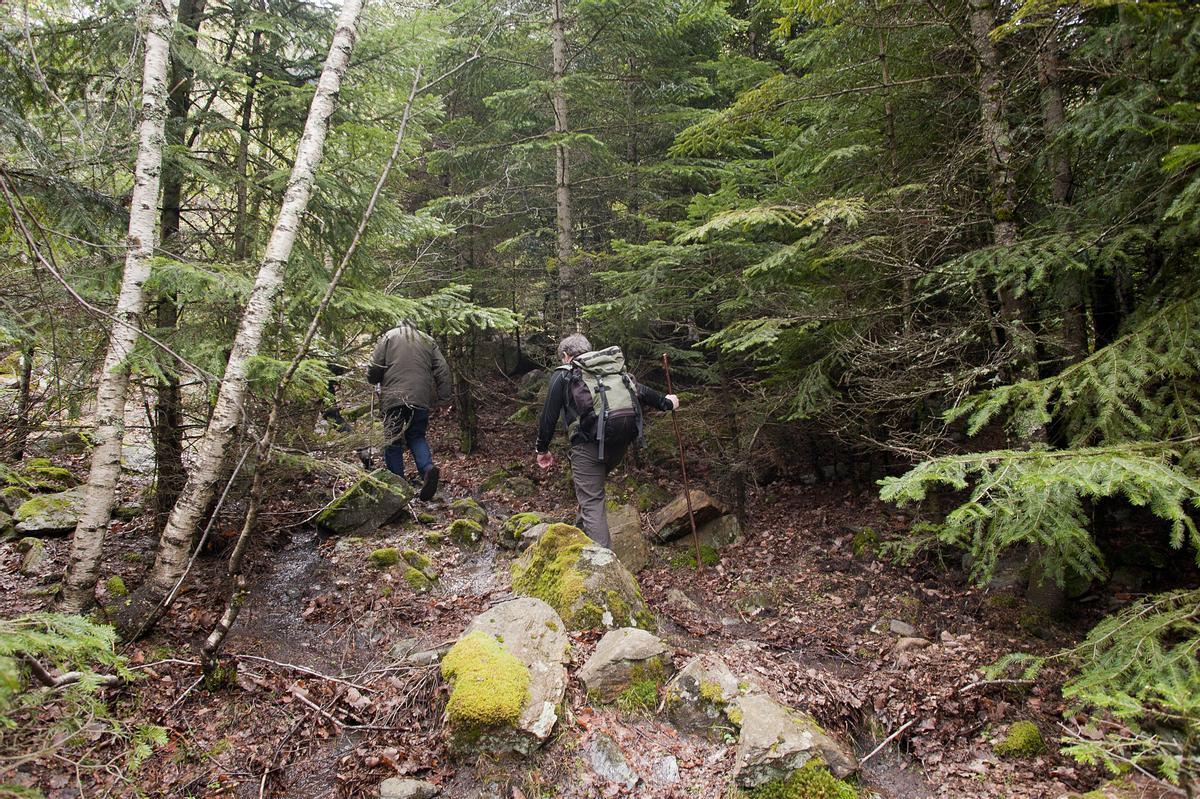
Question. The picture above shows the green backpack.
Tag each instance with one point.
(605, 396)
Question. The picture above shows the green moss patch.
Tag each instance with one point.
(516, 525)
(417, 580)
(489, 686)
(116, 586)
(812, 781)
(384, 557)
(639, 697)
(467, 508)
(1024, 739)
(552, 574)
(465, 532)
(687, 560)
(865, 542)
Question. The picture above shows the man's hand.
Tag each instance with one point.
(674, 400)
(545, 459)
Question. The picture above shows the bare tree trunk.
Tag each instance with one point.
(241, 230)
(151, 599)
(168, 406)
(212, 645)
(79, 584)
(567, 278)
(24, 403)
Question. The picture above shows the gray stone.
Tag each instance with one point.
(467, 508)
(666, 771)
(720, 532)
(608, 761)
(50, 514)
(776, 740)
(672, 522)
(531, 384)
(583, 581)
(404, 647)
(33, 555)
(530, 630)
(905, 644)
(623, 657)
(699, 696)
(628, 543)
(520, 486)
(370, 503)
(12, 497)
(895, 627)
(6, 524)
(396, 788)
(531, 536)
(514, 527)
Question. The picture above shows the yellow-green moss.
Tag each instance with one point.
(426, 518)
(516, 525)
(489, 685)
(687, 560)
(865, 541)
(384, 557)
(416, 580)
(552, 575)
(467, 508)
(116, 586)
(220, 677)
(434, 538)
(415, 559)
(45, 505)
(465, 532)
(1024, 739)
(640, 697)
(812, 781)
(526, 414)
(710, 691)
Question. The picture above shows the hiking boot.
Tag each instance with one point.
(430, 486)
(365, 457)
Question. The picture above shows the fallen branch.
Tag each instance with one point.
(48, 680)
(887, 741)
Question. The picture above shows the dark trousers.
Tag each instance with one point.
(588, 473)
(405, 426)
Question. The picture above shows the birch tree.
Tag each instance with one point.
(149, 601)
(86, 545)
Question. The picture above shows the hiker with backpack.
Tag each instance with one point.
(601, 407)
(413, 378)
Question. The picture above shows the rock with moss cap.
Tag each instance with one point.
(698, 698)
(628, 543)
(39, 474)
(373, 501)
(776, 741)
(625, 657)
(13, 497)
(581, 580)
(514, 527)
(50, 514)
(510, 664)
(468, 508)
(33, 555)
(1024, 739)
(421, 563)
(812, 781)
(465, 532)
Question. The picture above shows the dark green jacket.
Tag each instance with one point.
(410, 369)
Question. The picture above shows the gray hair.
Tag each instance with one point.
(574, 344)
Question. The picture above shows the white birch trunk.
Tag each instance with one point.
(152, 598)
(562, 173)
(86, 546)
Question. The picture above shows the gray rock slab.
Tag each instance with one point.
(396, 788)
(622, 657)
(373, 501)
(775, 740)
(628, 543)
(605, 757)
(672, 522)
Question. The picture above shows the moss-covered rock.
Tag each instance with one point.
(13, 496)
(465, 532)
(488, 688)
(581, 580)
(115, 586)
(1024, 739)
(384, 557)
(698, 696)
(526, 414)
(468, 508)
(687, 559)
(417, 580)
(434, 538)
(50, 514)
(776, 740)
(520, 486)
(514, 528)
(421, 563)
(41, 475)
(865, 542)
(373, 501)
(494, 480)
(33, 555)
(812, 781)
(623, 658)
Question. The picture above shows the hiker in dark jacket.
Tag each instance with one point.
(590, 464)
(413, 378)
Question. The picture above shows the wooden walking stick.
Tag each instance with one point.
(687, 491)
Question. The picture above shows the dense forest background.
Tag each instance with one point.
(947, 245)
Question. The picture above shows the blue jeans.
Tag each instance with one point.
(405, 426)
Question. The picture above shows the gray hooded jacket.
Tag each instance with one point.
(410, 369)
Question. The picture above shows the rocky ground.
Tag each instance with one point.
(338, 685)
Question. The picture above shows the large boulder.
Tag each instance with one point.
(50, 514)
(701, 694)
(581, 580)
(508, 678)
(720, 532)
(373, 501)
(628, 543)
(776, 740)
(624, 658)
(671, 522)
